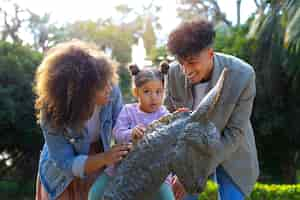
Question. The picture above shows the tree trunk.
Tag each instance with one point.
(238, 12)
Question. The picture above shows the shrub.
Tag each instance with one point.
(260, 192)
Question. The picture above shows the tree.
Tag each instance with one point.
(21, 138)
(124, 11)
(17, 19)
(149, 36)
(261, 6)
(209, 9)
(106, 36)
(238, 12)
(45, 34)
(144, 22)
(12, 22)
(276, 58)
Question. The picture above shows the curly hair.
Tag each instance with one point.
(66, 83)
(189, 38)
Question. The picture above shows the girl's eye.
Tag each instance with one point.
(146, 91)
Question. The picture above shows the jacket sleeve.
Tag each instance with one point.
(168, 101)
(60, 151)
(122, 130)
(239, 119)
(117, 104)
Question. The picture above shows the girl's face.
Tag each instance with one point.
(150, 95)
(102, 96)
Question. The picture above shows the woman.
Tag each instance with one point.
(77, 105)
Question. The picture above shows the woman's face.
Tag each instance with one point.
(103, 95)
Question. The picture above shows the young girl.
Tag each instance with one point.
(148, 88)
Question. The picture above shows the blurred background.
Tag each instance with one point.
(264, 33)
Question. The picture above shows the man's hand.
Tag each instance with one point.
(178, 189)
(182, 109)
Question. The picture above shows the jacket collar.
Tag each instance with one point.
(217, 70)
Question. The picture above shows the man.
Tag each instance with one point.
(196, 72)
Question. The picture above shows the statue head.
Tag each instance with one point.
(195, 149)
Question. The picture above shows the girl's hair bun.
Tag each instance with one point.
(134, 69)
(164, 67)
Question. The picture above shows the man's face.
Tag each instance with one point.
(198, 67)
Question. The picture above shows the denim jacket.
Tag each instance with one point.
(59, 150)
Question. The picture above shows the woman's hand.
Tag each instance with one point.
(112, 156)
(116, 153)
(178, 189)
(138, 133)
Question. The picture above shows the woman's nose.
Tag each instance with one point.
(108, 87)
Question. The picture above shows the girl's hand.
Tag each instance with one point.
(116, 153)
(182, 109)
(178, 189)
(138, 132)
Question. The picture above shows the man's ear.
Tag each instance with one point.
(211, 52)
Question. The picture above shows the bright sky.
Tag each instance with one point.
(67, 10)
(63, 11)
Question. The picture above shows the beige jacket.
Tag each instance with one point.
(231, 115)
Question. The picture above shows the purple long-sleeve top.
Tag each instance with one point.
(129, 117)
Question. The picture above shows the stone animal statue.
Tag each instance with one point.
(182, 142)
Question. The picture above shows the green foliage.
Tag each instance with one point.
(125, 84)
(13, 190)
(106, 35)
(158, 54)
(191, 9)
(292, 33)
(18, 128)
(276, 112)
(210, 192)
(45, 34)
(275, 192)
(234, 42)
(260, 192)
